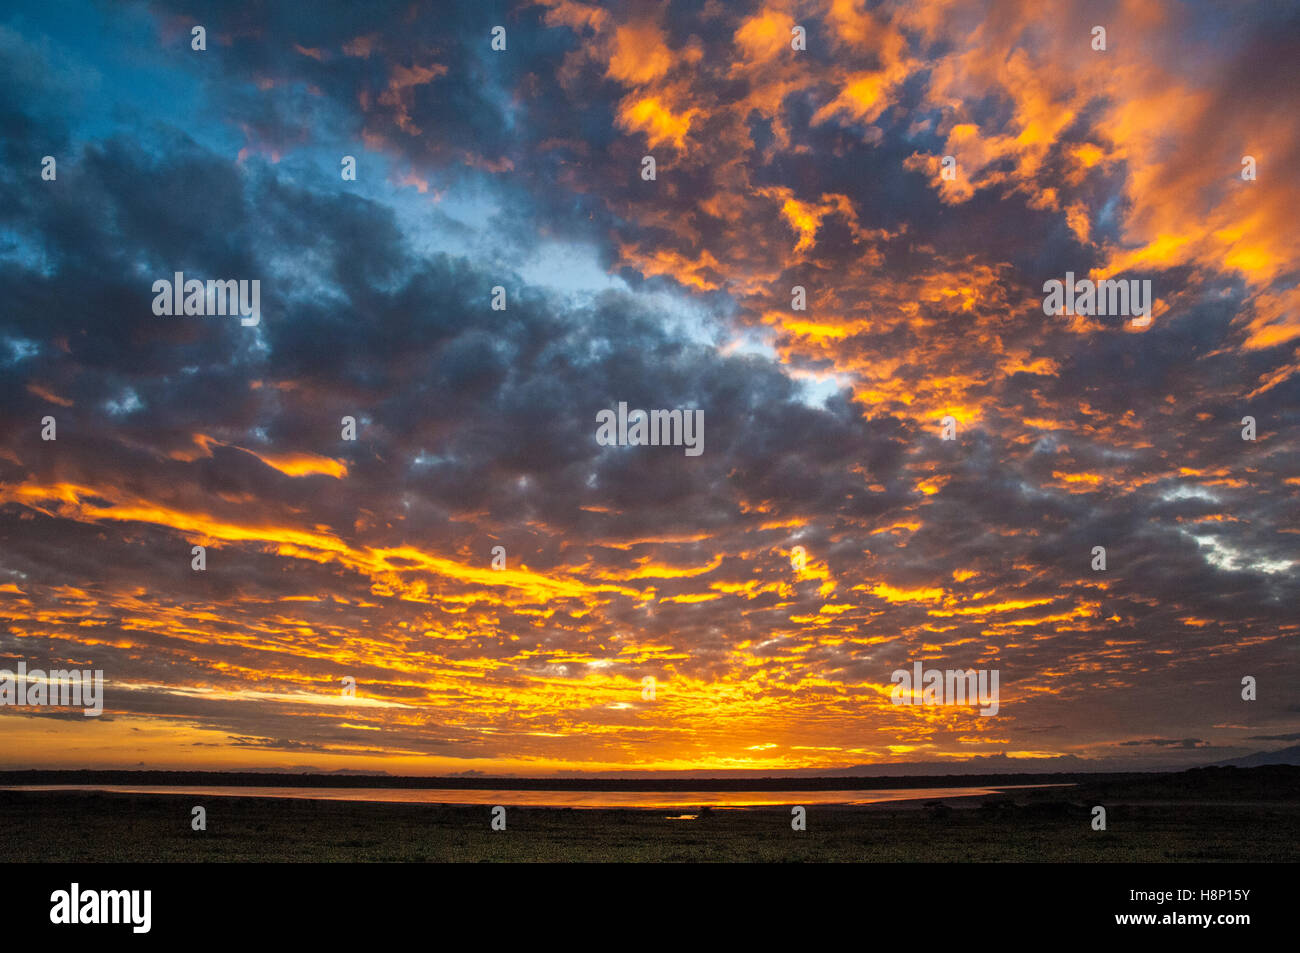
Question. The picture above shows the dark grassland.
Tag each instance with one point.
(1206, 815)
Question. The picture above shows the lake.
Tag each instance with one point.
(574, 799)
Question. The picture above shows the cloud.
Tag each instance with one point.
(372, 559)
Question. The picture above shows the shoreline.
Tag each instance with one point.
(1042, 825)
(10, 778)
(538, 800)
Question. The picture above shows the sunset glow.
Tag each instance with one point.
(826, 536)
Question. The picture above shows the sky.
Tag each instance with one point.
(826, 535)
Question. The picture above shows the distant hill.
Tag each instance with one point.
(1289, 755)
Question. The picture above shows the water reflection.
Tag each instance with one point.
(575, 799)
